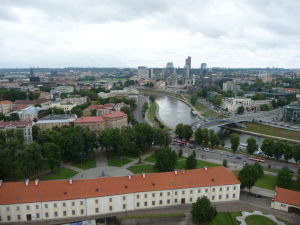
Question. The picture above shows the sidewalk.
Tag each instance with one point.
(132, 163)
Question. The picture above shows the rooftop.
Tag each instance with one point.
(18, 124)
(59, 117)
(5, 102)
(95, 119)
(32, 102)
(287, 196)
(18, 192)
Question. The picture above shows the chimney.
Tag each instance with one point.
(36, 182)
(144, 175)
(1, 181)
(175, 171)
(205, 168)
(70, 181)
(129, 177)
(26, 182)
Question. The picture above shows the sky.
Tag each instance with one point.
(132, 33)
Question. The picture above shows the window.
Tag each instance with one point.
(227, 188)
(55, 205)
(73, 212)
(283, 205)
(37, 215)
(145, 203)
(191, 191)
(175, 192)
(19, 217)
(46, 214)
(206, 190)
(96, 201)
(153, 194)
(64, 204)
(110, 208)
(191, 199)
(220, 196)
(199, 190)
(137, 196)
(175, 200)
(73, 203)
(161, 194)
(213, 197)
(8, 218)
(234, 187)
(160, 202)
(65, 213)
(124, 206)
(36, 206)
(168, 201)
(55, 214)
(82, 211)
(220, 189)
(110, 199)
(7, 209)
(81, 202)
(233, 195)
(145, 195)
(213, 189)
(183, 192)
(227, 196)
(153, 202)
(137, 204)
(168, 193)
(18, 208)
(46, 206)
(96, 210)
(124, 198)
(28, 207)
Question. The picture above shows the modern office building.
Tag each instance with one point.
(188, 66)
(291, 113)
(170, 65)
(26, 126)
(71, 199)
(203, 69)
(143, 72)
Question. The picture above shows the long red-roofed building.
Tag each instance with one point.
(286, 200)
(63, 199)
(115, 119)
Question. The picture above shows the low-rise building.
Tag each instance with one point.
(75, 100)
(71, 199)
(6, 106)
(51, 121)
(29, 113)
(286, 200)
(115, 119)
(291, 113)
(232, 104)
(26, 126)
(44, 103)
(64, 106)
(43, 94)
(103, 109)
(126, 92)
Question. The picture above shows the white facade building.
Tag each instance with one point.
(26, 126)
(63, 199)
(232, 104)
(286, 200)
(29, 114)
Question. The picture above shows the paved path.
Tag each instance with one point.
(68, 166)
(132, 163)
(101, 159)
(139, 108)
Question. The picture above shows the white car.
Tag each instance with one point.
(206, 149)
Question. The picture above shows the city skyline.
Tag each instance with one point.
(231, 33)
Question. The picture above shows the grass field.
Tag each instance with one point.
(273, 131)
(87, 164)
(142, 168)
(259, 220)
(117, 161)
(226, 218)
(61, 173)
(200, 164)
(152, 111)
(205, 111)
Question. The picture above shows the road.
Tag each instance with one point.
(138, 111)
(237, 160)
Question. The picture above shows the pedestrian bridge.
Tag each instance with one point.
(219, 122)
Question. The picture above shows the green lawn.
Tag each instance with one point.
(200, 164)
(144, 168)
(87, 164)
(152, 111)
(273, 131)
(61, 173)
(226, 218)
(205, 111)
(150, 159)
(259, 220)
(117, 161)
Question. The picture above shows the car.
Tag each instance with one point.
(222, 153)
(238, 157)
(206, 149)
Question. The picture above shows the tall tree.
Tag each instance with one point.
(188, 132)
(203, 211)
(179, 130)
(288, 152)
(268, 147)
(284, 177)
(278, 149)
(165, 159)
(205, 137)
(296, 153)
(251, 145)
(246, 176)
(191, 161)
(235, 141)
(259, 169)
(199, 136)
(53, 155)
(240, 110)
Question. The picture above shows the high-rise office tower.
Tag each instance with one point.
(203, 68)
(188, 66)
(143, 72)
(170, 65)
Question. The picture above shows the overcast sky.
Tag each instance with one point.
(130, 33)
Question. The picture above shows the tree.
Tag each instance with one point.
(224, 162)
(251, 145)
(288, 152)
(268, 147)
(180, 152)
(188, 132)
(296, 154)
(258, 169)
(284, 177)
(53, 155)
(205, 137)
(264, 107)
(240, 110)
(203, 211)
(213, 138)
(194, 99)
(246, 176)
(235, 141)
(278, 149)
(179, 130)
(165, 159)
(191, 161)
(94, 112)
(152, 98)
(199, 136)
(217, 100)
(161, 137)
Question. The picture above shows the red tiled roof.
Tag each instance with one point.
(32, 102)
(21, 106)
(5, 102)
(18, 192)
(115, 114)
(287, 196)
(18, 124)
(91, 107)
(89, 119)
